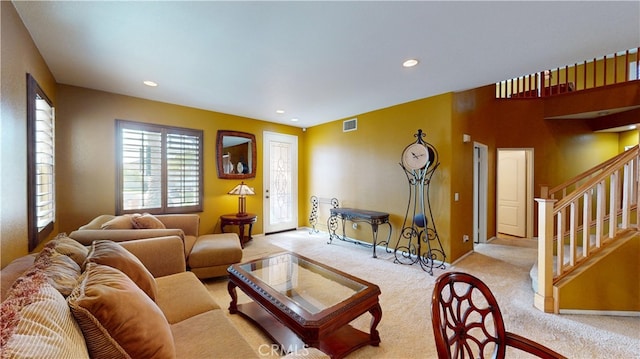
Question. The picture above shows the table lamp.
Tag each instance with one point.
(242, 190)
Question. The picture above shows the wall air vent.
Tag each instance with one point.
(350, 125)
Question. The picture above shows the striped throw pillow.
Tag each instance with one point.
(37, 322)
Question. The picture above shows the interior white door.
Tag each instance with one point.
(512, 192)
(280, 159)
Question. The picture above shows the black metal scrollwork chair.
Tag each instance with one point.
(467, 322)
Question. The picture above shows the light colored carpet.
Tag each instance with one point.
(405, 329)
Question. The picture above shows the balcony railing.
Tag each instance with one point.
(603, 71)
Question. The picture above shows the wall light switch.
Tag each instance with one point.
(456, 196)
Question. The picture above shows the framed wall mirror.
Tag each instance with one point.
(236, 154)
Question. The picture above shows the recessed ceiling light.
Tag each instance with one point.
(294, 120)
(280, 111)
(410, 63)
(150, 83)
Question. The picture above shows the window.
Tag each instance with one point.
(40, 164)
(159, 168)
(634, 71)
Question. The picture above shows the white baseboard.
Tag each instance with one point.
(461, 258)
(617, 313)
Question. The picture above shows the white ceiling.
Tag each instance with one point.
(318, 61)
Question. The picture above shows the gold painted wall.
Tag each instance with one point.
(628, 138)
(562, 148)
(361, 168)
(475, 110)
(611, 284)
(86, 142)
(19, 57)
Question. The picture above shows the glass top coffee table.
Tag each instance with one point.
(299, 302)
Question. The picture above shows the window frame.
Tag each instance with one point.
(36, 235)
(164, 130)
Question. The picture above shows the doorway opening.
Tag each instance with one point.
(480, 190)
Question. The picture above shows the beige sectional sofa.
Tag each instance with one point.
(105, 313)
(108, 300)
(206, 255)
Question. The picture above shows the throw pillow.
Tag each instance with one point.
(13, 271)
(114, 255)
(97, 222)
(37, 322)
(117, 318)
(69, 247)
(147, 221)
(61, 271)
(119, 222)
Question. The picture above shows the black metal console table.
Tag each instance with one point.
(358, 215)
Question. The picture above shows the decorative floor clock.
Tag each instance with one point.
(418, 241)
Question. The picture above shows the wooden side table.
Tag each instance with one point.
(240, 221)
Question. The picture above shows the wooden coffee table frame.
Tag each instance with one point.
(293, 328)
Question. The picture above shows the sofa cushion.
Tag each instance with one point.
(114, 255)
(161, 255)
(37, 323)
(177, 306)
(223, 340)
(62, 271)
(117, 318)
(215, 249)
(146, 221)
(118, 222)
(87, 236)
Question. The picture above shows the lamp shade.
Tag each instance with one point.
(241, 190)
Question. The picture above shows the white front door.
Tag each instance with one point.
(280, 160)
(512, 192)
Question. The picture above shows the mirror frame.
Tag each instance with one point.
(219, 153)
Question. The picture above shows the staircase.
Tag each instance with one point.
(578, 220)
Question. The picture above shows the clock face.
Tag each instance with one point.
(415, 156)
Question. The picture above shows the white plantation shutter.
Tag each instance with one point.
(183, 170)
(44, 164)
(141, 169)
(41, 186)
(160, 168)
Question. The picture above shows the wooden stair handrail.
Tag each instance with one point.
(589, 172)
(618, 162)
